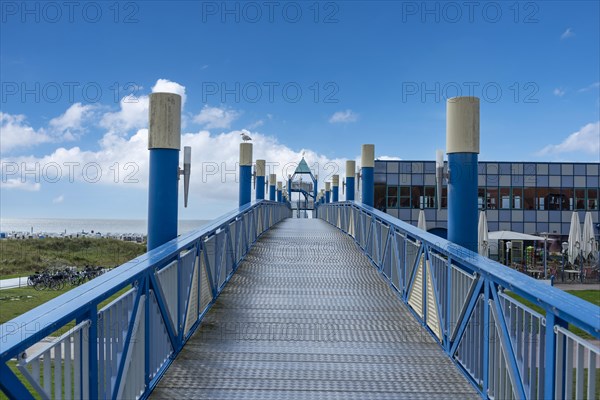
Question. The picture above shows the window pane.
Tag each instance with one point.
(417, 196)
(517, 197)
(592, 199)
(480, 198)
(429, 197)
(529, 198)
(567, 199)
(580, 199)
(404, 200)
(444, 197)
(392, 196)
(380, 197)
(492, 198)
(551, 198)
(504, 197)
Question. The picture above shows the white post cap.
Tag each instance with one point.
(165, 121)
(462, 125)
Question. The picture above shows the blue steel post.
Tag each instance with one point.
(245, 195)
(272, 182)
(462, 146)
(315, 188)
(280, 192)
(368, 165)
(335, 189)
(289, 187)
(164, 143)
(260, 179)
(350, 168)
(327, 192)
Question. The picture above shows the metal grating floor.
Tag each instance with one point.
(307, 316)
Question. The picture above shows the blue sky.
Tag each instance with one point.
(299, 76)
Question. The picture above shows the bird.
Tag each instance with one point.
(245, 137)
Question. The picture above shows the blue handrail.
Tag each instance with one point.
(212, 253)
(423, 268)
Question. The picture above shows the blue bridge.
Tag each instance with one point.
(349, 303)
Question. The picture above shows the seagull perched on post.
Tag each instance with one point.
(245, 137)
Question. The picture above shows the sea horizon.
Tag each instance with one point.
(87, 225)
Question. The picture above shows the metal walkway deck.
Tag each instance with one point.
(307, 316)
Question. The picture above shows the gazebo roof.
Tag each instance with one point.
(302, 168)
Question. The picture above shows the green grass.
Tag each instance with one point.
(23, 257)
(14, 302)
(593, 296)
(9, 276)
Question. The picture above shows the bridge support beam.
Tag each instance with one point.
(462, 146)
(327, 192)
(335, 188)
(164, 143)
(280, 192)
(245, 195)
(260, 170)
(272, 182)
(350, 168)
(367, 171)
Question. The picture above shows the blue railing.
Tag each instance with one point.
(122, 349)
(471, 306)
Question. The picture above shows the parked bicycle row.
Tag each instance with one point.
(58, 278)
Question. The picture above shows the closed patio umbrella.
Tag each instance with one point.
(574, 241)
(482, 235)
(588, 240)
(422, 223)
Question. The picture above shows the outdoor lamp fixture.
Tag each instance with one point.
(440, 175)
(186, 172)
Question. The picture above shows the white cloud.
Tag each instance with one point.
(69, 125)
(585, 140)
(567, 34)
(215, 117)
(59, 199)
(167, 86)
(388, 158)
(15, 133)
(120, 161)
(17, 183)
(594, 85)
(256, 124)
(132, 115)
(133, 110)
(559, 92)
(343, 117)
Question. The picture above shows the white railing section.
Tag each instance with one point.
(56, 370)
(527, 331)
(578, 378)
(113, 325)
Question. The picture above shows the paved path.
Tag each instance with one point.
(307, 316)
(13, 283)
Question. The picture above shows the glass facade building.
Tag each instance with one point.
(517, 196)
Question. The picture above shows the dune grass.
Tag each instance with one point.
(23, 257)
